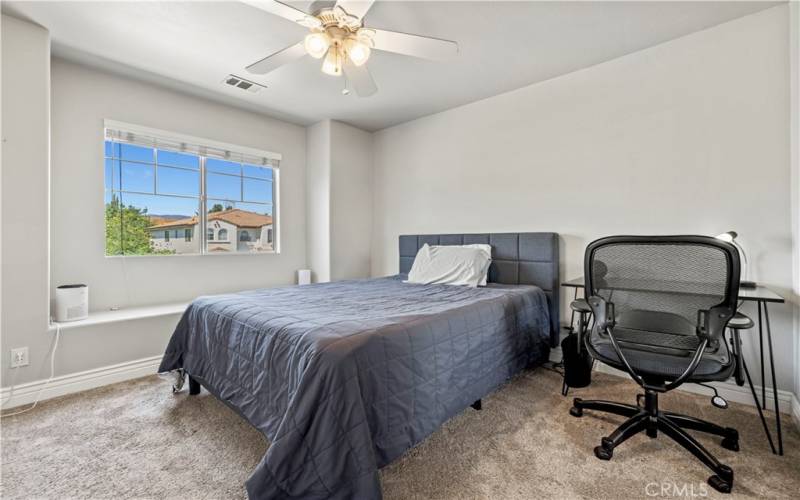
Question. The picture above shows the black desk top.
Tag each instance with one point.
(757, 294)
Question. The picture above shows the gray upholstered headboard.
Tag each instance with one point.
(517, 259)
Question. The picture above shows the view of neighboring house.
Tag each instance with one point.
(231, 230)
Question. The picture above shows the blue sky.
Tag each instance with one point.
(131, 168)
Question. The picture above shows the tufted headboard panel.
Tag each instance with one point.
(517, 259)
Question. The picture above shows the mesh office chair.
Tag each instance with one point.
(661, 304)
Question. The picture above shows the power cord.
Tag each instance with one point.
(43, 387)
(554, 366)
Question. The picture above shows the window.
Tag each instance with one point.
(244, 236)
(157, 182)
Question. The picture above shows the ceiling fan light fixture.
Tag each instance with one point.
(317, 44)
(357, 51)
(332, 65)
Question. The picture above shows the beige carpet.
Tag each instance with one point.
(138, 440)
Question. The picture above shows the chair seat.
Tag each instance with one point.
(662, 365)
(660, 354)
(679, 344)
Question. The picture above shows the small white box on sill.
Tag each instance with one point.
(72, 303)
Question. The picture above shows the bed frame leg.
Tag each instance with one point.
(476, 404)
(194, 386)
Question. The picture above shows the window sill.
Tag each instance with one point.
(128, 314)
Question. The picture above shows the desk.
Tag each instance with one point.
(761, 296)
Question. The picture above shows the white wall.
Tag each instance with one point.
(318, 205)
(794, 22)
(25, 192)
(686, 137)
(339, 205)
(351, 202)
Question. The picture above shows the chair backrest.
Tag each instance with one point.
(665, 284)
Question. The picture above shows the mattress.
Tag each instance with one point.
(344, 377)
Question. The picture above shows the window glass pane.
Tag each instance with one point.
(220, 205)
(112, 149)
(136, 153)
(145, 223)
(223, 186)
(258, 191)
(137, 177)
(113, 224)
(238, 227)
(258, 208)
(223, 167)
(178, 159)
(112, 174)
(153, 202)
(178, 181)
(256, 171)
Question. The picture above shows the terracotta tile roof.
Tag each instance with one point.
(235, 216)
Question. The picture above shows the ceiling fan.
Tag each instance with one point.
(338, 37)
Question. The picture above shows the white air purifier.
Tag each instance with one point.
(304, 276)
(72, 303)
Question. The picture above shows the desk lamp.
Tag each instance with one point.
(730, 237)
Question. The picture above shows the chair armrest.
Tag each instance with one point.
(580, 305)
(711, 323)
(603, 312)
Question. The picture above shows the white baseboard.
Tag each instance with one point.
(729, 390)
(81, 381)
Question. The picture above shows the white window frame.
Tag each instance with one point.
(208, 143)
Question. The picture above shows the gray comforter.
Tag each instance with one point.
(344, 377)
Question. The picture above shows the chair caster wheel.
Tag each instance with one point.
(719, 484)
(730, 444)
(602, 453)
(576, 412)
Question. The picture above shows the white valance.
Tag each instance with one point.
(159, 139)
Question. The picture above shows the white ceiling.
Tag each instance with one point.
(503, 46)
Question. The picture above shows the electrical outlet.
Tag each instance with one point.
(19, 357)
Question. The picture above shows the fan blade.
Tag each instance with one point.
(412, 45)
(286, 12)
(278, 59)
(361, 79)
(356, 8)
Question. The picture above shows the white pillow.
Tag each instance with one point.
(451, 265)
(487, 249)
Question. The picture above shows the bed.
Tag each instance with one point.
(342, 378)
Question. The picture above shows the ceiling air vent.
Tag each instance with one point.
(241, 83)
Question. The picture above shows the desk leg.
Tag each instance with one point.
(572, 316)
(774, 384)
(758, 405)
(761, 352)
